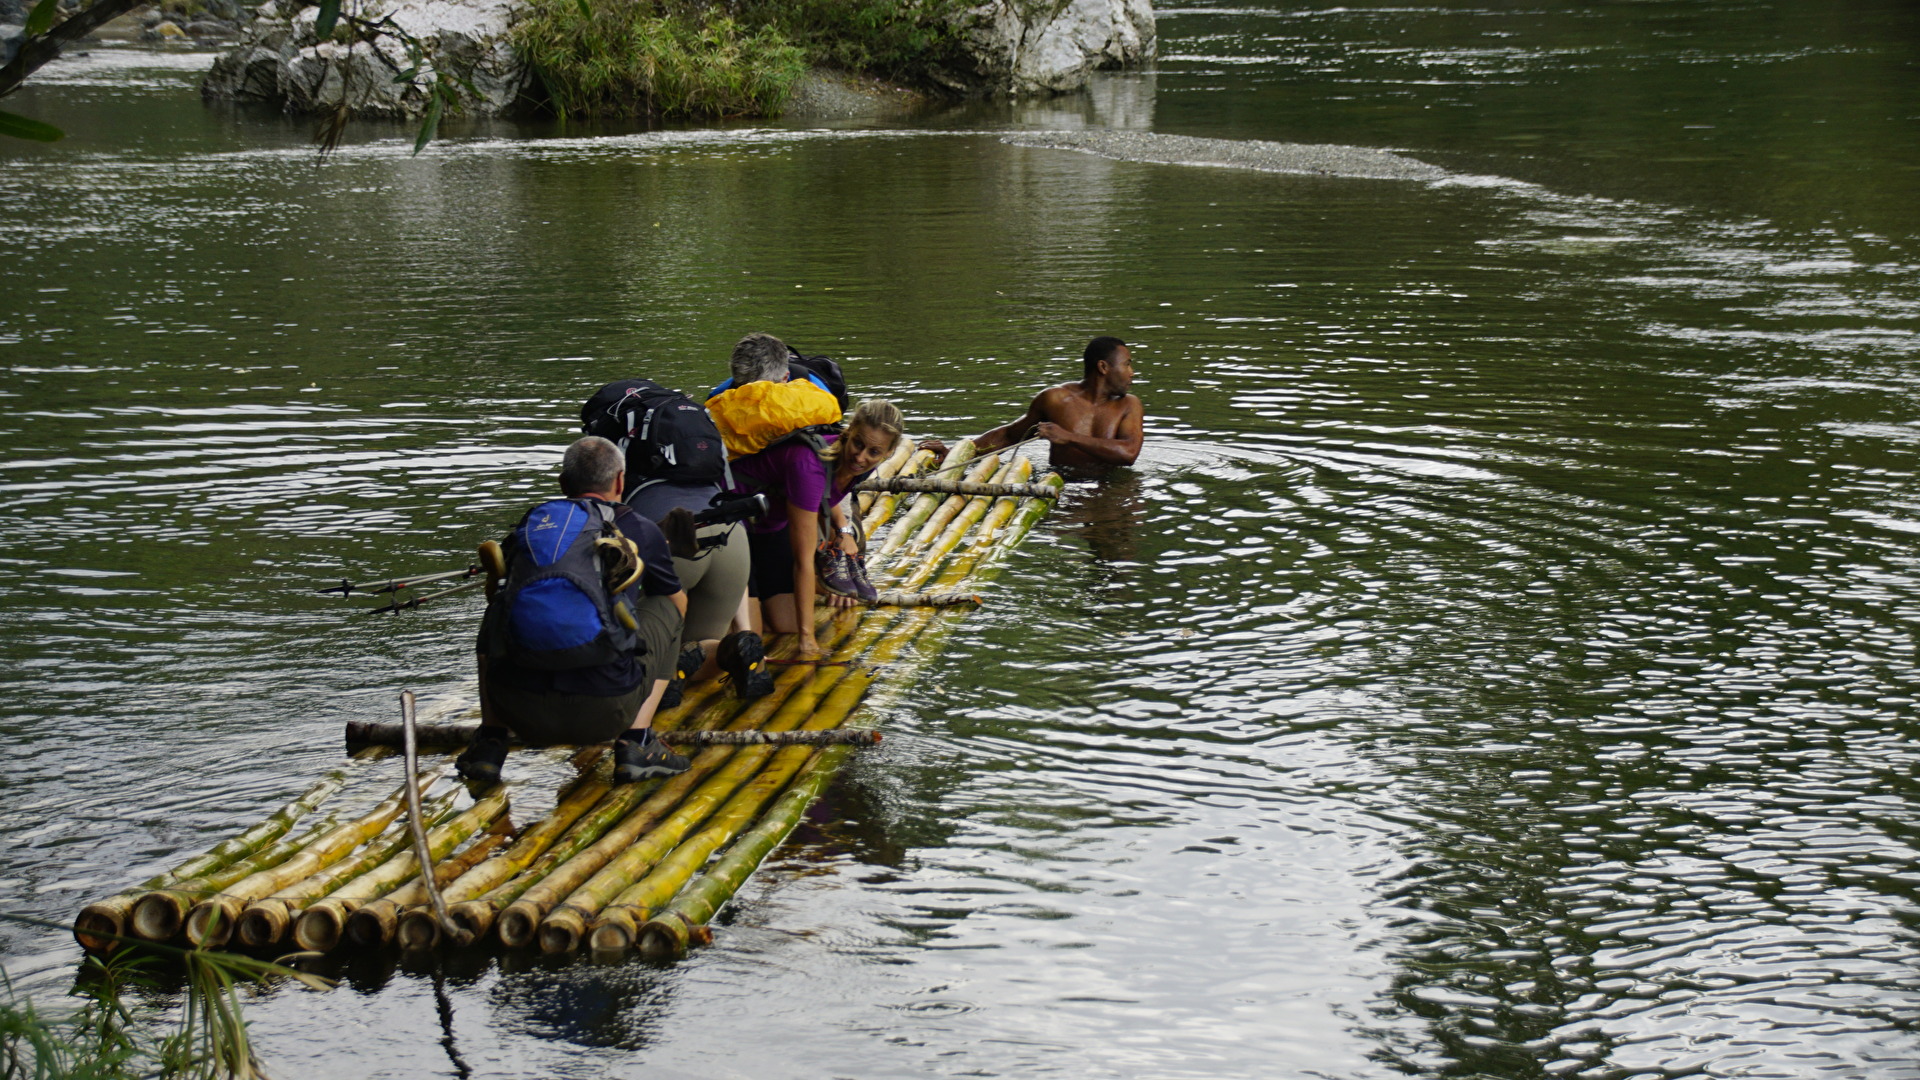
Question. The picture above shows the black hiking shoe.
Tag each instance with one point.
(482, 759)
(639, 755)
(744, 658)
(690, 660)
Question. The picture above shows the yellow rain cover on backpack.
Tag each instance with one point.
(754, 416)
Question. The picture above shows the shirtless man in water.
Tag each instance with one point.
(1093, 423)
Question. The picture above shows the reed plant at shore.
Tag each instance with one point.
(108, 1038)
(652, 58)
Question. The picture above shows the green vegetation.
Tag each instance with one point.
(682, 58)
(108, 1038)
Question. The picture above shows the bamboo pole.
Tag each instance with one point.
(471, 899)
(968, 516)
(157, 915)
(323, 926)
(683, 919)
(477, 911)
(716, 771)
(875, 510)
(210, 923)
(924, 504)
(608, 910)
(265, 919)
(936, 522)
(100, 924)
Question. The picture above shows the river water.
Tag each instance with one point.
(1499, 664)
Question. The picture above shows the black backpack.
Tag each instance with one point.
(666, 435)
(823, 368)
(554, 611)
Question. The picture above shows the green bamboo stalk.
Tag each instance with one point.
(99, 924)
(968, 516)
(684, 920)
(265, 919)
(937, 521)
(157, 915)
(321, 927)
(211, 921)
(520, 920)
(877, 508)
(375, 921)
(476, 912)
(922, 506)
(609, 923)
(326, 911)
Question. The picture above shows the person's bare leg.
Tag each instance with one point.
(779, 614)
(643, 719)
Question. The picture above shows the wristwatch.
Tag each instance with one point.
(846, 530)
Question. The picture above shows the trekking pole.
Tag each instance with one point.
(387, 585)
(422, 851)
(398, 605)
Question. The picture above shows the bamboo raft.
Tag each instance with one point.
(611, 868)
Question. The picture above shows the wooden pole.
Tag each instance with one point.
(99, 924)
(960, 487)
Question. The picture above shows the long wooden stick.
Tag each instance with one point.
(422, 850)
(960, 487)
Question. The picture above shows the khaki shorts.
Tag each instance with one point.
(715, 583)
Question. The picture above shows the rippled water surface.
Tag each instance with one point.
(1499, 664)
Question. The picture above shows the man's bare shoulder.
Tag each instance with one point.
(1054, 397)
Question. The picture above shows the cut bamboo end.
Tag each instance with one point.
(99, 925)
(158, 916)
(613, 933)
(669, 935)
(476, 917)
(263, 922)
(418, 930)
(519, 924)
(320, 927)
(210, 923)
(563, 930)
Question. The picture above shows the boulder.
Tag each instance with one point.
(279, 60)
(1046, 46)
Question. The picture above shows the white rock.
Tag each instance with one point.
(1049, 46)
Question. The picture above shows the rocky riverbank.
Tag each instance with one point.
(999, 47)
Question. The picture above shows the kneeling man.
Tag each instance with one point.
(580, 637)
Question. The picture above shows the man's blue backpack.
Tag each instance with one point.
(555, 611)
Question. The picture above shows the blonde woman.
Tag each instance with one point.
(797, 481)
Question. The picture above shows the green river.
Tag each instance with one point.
(1499, 664)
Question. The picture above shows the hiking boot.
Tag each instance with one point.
(847, 576)
(482, 759)
(640, 755)
(690, 660)
(744, 659)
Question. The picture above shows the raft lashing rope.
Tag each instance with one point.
(610, 868)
